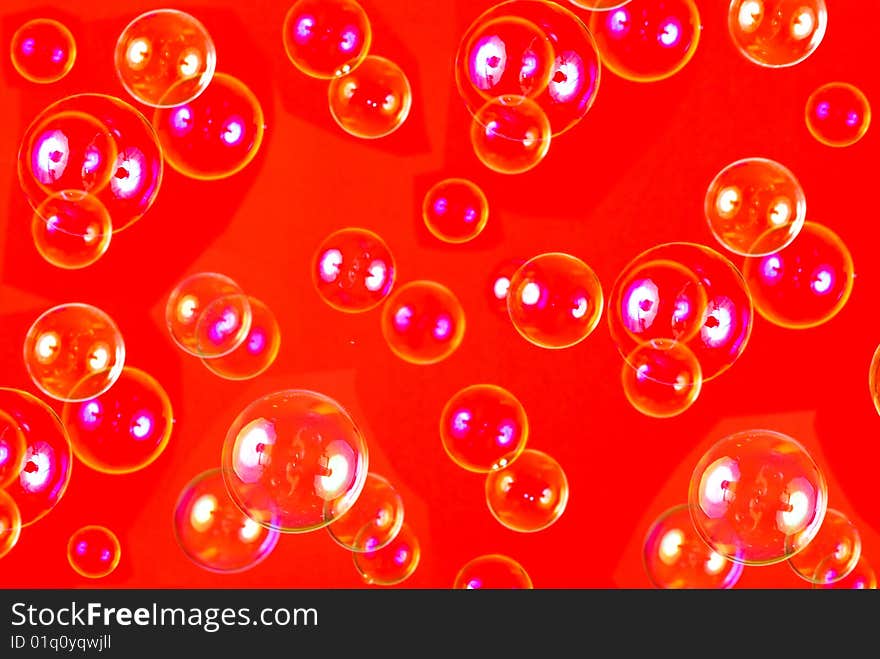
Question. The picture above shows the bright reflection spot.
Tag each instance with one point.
(378, 274)
(328, 267)
(531, 293)
(670, 546)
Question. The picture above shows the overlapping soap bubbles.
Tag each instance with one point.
(681, 314)
(369, 95)
(90, 165)
(527, 71)
(235, 335)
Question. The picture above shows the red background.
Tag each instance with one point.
(631, 175)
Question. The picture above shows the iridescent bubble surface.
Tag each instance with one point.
(326, 38)
(257, 352)
(529, 494)
(510, 134)
(13, 447)
(208, 315)
(165, 58)
(423, 322)
(646, 40)
(555, 300)
(43, 50)
(215, 135)
(838, 114)
(483, 427)
(373, 521)
(373, 100)
(124, 429)
(213, 532)
(757, 497)
(455, 210)
(832, 554)
(777, 33)
(294, 460)
(676, 557)
(392, 564)
(755, 207)
(10, 523)
(71, 229)
(353, 270)
(492, 572)
(806, 284)
(45, 472)
(74, 351)
(662, 378)
(94, 551)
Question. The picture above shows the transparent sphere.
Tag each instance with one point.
(74, 351)
(294, 461)
(93, 551)
(498, 284)
(757, 497)
(686, 292)
(529, 494)
(71, 229)
(807, 283)
(45, 472)
(777, 33)
(208, 315)
(492, 572)
(662, 378)
(43, 50)
(326, 38)
(392, 564)
(832, 554)
(213, 532)
(353, 270)
(257, 352)
(598, 5)
(510, 134)
(216, 134)
(373, 100)
(65, 149)
(655, 297)
(455, 210)
(165, 58)
(483, 427)
(555, 300)
(373, 521)
(862, 577)
(123, 429)
(675, 556)
(838, 114)
(116, 144)
(10, 523)
(874, 379)
(501, 55)
(755, 207)
(13, 447)
(423, 322)
(646, 40)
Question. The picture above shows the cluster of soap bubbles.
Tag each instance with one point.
(235, 335)
(484, 429)
(527, 71)
(295, 461)
(369, 95)
(755, 498)
(115, 418)
(680, 315)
